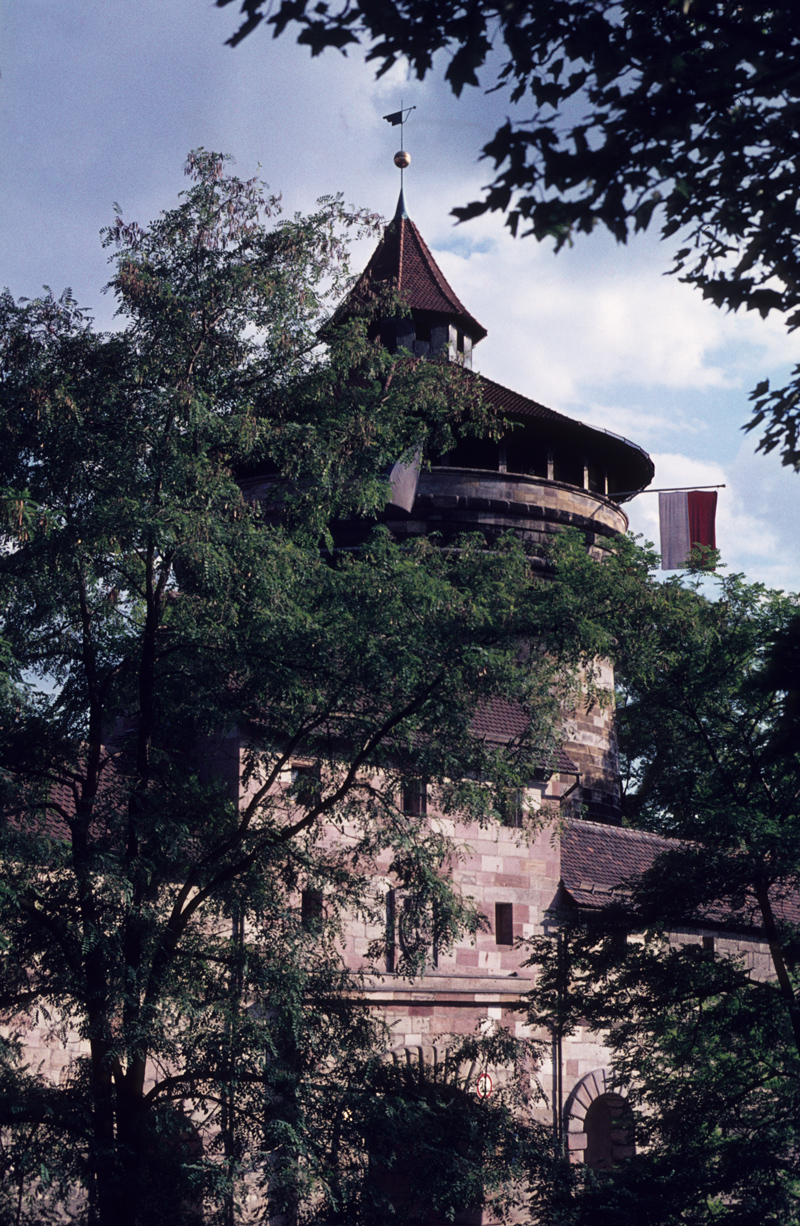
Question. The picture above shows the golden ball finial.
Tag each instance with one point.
(402, 160)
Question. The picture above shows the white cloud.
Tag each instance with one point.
(641, 423)
(100, 108)
(558, 325)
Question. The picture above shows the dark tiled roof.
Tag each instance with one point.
(50, 819)
(501, 721)
(514, 405)
(402, 258)
(45, 821)
(564, 763)
(598, 862)
(632, 461)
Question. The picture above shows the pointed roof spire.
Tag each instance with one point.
(400, 212)
(403, 262)
(402, 258)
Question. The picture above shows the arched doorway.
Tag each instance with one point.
(430, 1140)
(595, 1134)
(604, 1138)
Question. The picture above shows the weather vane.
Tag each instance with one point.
(402, 159)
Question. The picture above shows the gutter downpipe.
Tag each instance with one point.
(558, 1049)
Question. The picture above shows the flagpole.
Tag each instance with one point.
(665, 489)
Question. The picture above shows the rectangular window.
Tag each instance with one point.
(306, 786)
(415, 798)
(710, 944)
(311, 910)
(596, 477)
(304, 770)
(503, 923)
(568, 468)
(511, 807)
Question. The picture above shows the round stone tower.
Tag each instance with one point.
(546, 473)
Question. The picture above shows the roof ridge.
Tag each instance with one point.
(401, 251)
(626, 831)
(529, 400)
(440, 280)
(402, 257)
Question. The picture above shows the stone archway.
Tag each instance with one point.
(434, 1063)
(433, 1076)
(590, 1117)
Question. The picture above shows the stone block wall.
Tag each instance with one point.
(454, 500)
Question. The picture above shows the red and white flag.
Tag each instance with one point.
(686, 519)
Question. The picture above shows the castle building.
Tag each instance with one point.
(546, 473)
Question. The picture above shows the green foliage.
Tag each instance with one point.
(707, 1060)
(417, 1145)
(709, 734)
(705, 1042)
(681, 110)
(173, 649)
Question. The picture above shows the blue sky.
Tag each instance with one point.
(100, 100)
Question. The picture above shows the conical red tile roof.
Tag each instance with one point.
(402, 259)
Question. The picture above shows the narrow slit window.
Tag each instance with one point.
(391, 908)
(511, 807)
(503, 923)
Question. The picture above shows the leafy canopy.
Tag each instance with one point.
(703, 1037)
(210, 712)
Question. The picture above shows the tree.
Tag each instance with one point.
(682, 110)
(710, 735)
(706, 1061)
(210, 711)
(705, 1043)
